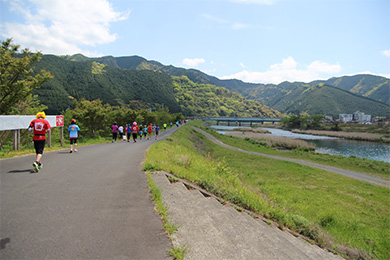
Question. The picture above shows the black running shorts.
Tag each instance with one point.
(39, 146)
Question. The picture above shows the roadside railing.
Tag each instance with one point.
(16, 123)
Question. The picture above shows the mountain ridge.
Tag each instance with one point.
(77, 77)
(373, 87)
(364, 92)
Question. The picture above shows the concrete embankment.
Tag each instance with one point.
(212, 230)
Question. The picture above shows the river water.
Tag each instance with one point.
(332, 145)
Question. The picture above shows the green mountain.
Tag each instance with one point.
(134, 81)
(208, 100)
(374, 87)
(91, 80)
(360, 91)
(325, 100)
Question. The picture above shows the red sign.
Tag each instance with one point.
(59, 120)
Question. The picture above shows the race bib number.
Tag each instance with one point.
(39, 126)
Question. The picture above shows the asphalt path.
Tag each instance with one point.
(93, 204)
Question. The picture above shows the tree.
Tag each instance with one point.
(16, 75)
(92, 116)
(291, 121)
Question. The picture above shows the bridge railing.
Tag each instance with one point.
(240, 120)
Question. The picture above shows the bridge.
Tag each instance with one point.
(239, 120)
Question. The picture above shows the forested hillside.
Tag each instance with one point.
(324, 99)
(92, 80)
(208, 100)
(78, 77)
(375, 88)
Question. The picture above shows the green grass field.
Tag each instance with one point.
(349, 216)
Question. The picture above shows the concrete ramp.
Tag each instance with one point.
(214, 231)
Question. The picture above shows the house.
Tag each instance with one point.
(345, 118)
(357, 117)
(360, 117)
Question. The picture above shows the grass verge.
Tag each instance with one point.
(345, 215)
(375, 168)
(177, 253)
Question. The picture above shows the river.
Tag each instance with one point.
(332, 145)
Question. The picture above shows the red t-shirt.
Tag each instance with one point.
(40, 126)
(149, 129)
(134, 129)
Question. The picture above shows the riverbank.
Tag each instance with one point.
(338, 212)
(359, 136)
(277, 142)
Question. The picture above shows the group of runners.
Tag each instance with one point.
(40, 126)
(134, 131)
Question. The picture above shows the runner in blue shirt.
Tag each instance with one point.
(73, 135)
(156, 129)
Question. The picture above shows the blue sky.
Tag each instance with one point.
(260, 41)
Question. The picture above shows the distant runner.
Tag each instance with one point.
(145, 130)
(134, 131)
(156, 129)
(150, 129)
(120, 129)
(73, 135)
(140, 132)
(128, 132)
(114, 132)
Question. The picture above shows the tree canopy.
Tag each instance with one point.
(17, 81)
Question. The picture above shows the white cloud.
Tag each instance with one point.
(242, 65)
(287, 70)
(323, 67)
(386, 53)
(193, 62)
(61, 27)
(287, 64)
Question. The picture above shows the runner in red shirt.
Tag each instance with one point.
(150, 129)
(134, 131)
(40, 126)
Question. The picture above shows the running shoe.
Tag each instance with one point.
(40, 166)
(36, 167)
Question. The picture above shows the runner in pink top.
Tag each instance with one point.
(114, 132)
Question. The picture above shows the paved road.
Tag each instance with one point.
(94, 204)
(351, 174)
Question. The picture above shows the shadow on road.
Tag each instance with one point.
(4, 242)
(64, 152)
(18, 171)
